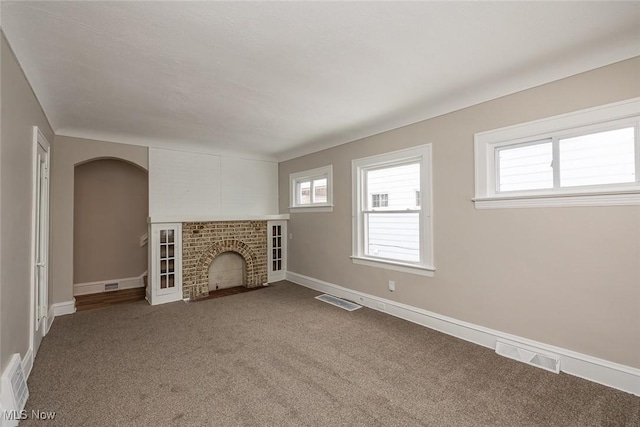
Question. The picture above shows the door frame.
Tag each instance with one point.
(39, 140)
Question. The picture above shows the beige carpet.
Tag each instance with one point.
(279, 357)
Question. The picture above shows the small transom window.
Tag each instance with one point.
(586, 158)
(311, 189)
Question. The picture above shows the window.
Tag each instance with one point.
(391, 230)
(586, 158)
(380, 200)
(311, 190)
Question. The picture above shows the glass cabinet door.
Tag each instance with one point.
(167, 258)
(277, 241)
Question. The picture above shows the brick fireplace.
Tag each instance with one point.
(202, 242)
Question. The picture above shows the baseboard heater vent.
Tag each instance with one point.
(111, 286)
(14, 385)
(338, 302)
(529, 355)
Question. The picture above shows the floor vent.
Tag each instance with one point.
(14, 385)
(111, 286)
(338, 302)
(529, 355)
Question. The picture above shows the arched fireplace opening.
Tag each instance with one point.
(227, 270)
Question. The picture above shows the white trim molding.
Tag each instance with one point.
(213, 218)
(314, 208)
(553, 130)
(51, 317)
(591, 368)
(64, 308)
(40, 238)
(620, 198)
(59, 309)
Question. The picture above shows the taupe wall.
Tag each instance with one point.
(20, 112)
(569, 277)
(67, 153)
(111, 206)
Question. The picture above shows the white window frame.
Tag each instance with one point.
(311, 175)
(593, 120)
(422, 154)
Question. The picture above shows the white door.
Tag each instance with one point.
(41, 240)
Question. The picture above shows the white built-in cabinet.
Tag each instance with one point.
(276, 250)
(165, 275)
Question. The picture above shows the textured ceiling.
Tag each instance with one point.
(280, 79)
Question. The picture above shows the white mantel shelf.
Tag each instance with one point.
(214, 218)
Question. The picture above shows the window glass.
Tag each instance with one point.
(394, 185)
(304, 193)
(525, 167)
(320, 190)
(394, 236)
(598, 158)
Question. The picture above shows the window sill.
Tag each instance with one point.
(612, 198)
(312, 208)
(396, 266)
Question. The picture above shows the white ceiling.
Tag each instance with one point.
(280, 79)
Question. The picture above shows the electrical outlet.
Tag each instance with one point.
(392, 285)
(290, 236)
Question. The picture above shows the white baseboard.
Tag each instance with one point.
(59, 309)
(277, 277)
(50, 317)
(27, 363)
(164, 299)
(97, 287)
(591, 368)
(63, 308)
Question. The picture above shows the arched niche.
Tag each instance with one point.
(110, 209)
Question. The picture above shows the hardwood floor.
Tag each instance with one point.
(105, 299)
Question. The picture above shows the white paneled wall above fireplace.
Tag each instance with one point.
(249, 187)
(190, 184)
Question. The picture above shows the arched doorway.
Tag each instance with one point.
(111, 205)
